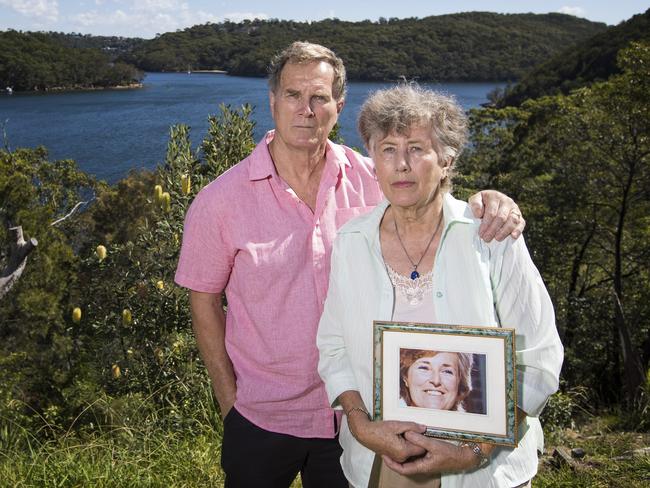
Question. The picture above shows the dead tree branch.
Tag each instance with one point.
(74, 209)
(19, 249)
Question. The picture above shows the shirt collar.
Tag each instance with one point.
(261, 163)
(454, 211)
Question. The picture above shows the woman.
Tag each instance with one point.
(435, 379)
(418, 257)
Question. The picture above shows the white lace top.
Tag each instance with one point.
(410, 302)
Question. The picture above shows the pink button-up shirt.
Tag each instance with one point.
(249, 234)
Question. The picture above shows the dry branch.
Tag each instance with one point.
(19, 249)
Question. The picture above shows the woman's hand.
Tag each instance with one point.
(440, 457)
(385, 437)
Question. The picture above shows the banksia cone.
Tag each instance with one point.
(127, 318)
(76, 315)
(159, 355)
(157, 193)
(186, 184)
(115, 371)
(166, 202)
(101, 252)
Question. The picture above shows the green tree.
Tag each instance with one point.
(36, 330)
(128, 352)
(137, 325)
(579, 166)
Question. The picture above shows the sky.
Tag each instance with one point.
(146, 18)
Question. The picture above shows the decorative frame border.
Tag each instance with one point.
(497, 426)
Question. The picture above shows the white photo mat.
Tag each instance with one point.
(493, 349)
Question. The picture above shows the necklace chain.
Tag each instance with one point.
(415, 274)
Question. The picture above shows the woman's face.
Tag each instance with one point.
(433, 381)
(408, 168)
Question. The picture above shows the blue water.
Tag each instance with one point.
(110, 132)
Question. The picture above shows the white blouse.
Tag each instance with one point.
(474, 283)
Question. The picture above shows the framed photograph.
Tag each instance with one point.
(458, 381)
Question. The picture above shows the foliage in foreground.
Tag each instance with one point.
(96, 314)
(135, 454)
(144, 455)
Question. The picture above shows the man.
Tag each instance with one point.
(263, 232)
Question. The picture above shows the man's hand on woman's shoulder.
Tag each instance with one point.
(499, 213)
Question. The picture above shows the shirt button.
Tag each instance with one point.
(439, 294)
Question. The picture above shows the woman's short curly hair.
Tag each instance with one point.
(398, 109)
(307, 52)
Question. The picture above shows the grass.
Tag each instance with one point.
(153, 457)
(606, 463)
(116, 459)
(124, 457)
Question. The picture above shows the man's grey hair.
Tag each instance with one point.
(306, 52)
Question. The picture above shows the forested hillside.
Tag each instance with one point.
(468, 46)
(592, 60)
(112, 45)
(37, 61)
(474, 46)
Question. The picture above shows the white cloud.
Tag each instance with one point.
(239, 16)
(149, 17)
(575, 11)
(44, 10)
(152, 6)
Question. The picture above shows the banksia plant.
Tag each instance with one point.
(101, 252)
(186, 184)
(116, 371)
(76, 315)
(159, 355)
(127, 317)
(158, 194)
(166, 202)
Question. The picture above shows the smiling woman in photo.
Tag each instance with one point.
(435, 379)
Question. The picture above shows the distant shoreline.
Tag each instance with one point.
(211, 71)
(60, 89)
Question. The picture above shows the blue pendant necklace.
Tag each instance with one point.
(414, 274)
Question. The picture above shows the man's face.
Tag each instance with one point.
(303, 107)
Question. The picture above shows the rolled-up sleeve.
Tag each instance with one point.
(523, 303)
(334, 366)
(207, 253)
